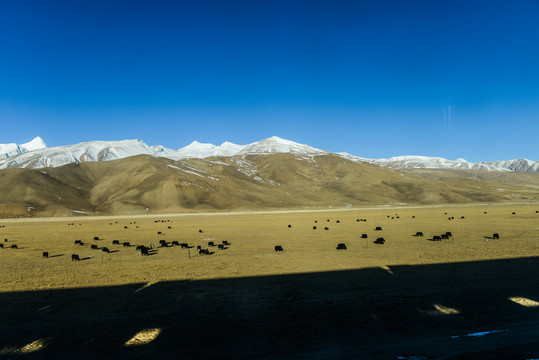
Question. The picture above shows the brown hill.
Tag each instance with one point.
(145, 184)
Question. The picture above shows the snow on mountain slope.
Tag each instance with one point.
(424, 162)
(270, 145)
(36, 144)
(275, 144)
(522, 165)
(7, 150)
(35, 154)
(87, 151)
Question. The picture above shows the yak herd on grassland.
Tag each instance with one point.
(151, 249)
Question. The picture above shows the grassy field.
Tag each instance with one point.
(253, 237)
(327, 303)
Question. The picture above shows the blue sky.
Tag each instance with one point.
(373, 78)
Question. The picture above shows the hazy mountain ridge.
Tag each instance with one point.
(35, 154)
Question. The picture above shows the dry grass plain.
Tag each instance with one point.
(408, 296)
(252, 237)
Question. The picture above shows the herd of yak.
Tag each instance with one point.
(152, 248)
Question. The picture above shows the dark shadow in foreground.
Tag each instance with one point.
(373, 313)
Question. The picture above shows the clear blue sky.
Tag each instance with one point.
(373, 78)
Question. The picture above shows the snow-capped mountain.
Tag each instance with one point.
(87, 151)
(424, 162)
(35, 154)
(111, 150)
(270, 145)
(275, 144)
(7, 150)
(521, 165)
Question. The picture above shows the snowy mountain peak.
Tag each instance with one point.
(12, 149)
(36, 144)
(36, 154)
(276, 144)
(425, 162)
(195, 145)
(228, 144)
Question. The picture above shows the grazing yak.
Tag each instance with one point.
(278, 248)
(436, 238)
(126, 244)
(210, 243)
(495, 236)
(364, 236)
(378, 228)
(115, 242)
(94, 247)
(96, 237)
(419, 233)
(225, 242)
(1, 246)
(106, 250)
(341, 246)
(175, 243)
(289, 225)
(379, 241)
(45, 254)
(314, 227)
(75, 257)
(144, 251)
(14, 246)
(78, 242)
(221, 247)
(184, 245)
(326, 228)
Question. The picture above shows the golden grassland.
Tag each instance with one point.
(252, 237)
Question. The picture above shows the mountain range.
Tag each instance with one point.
(35, 154)
(130, 177)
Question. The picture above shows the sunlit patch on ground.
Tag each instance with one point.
(143, 337)
(26, 349)
(443, 310)
(144, 286)
(524, 301)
